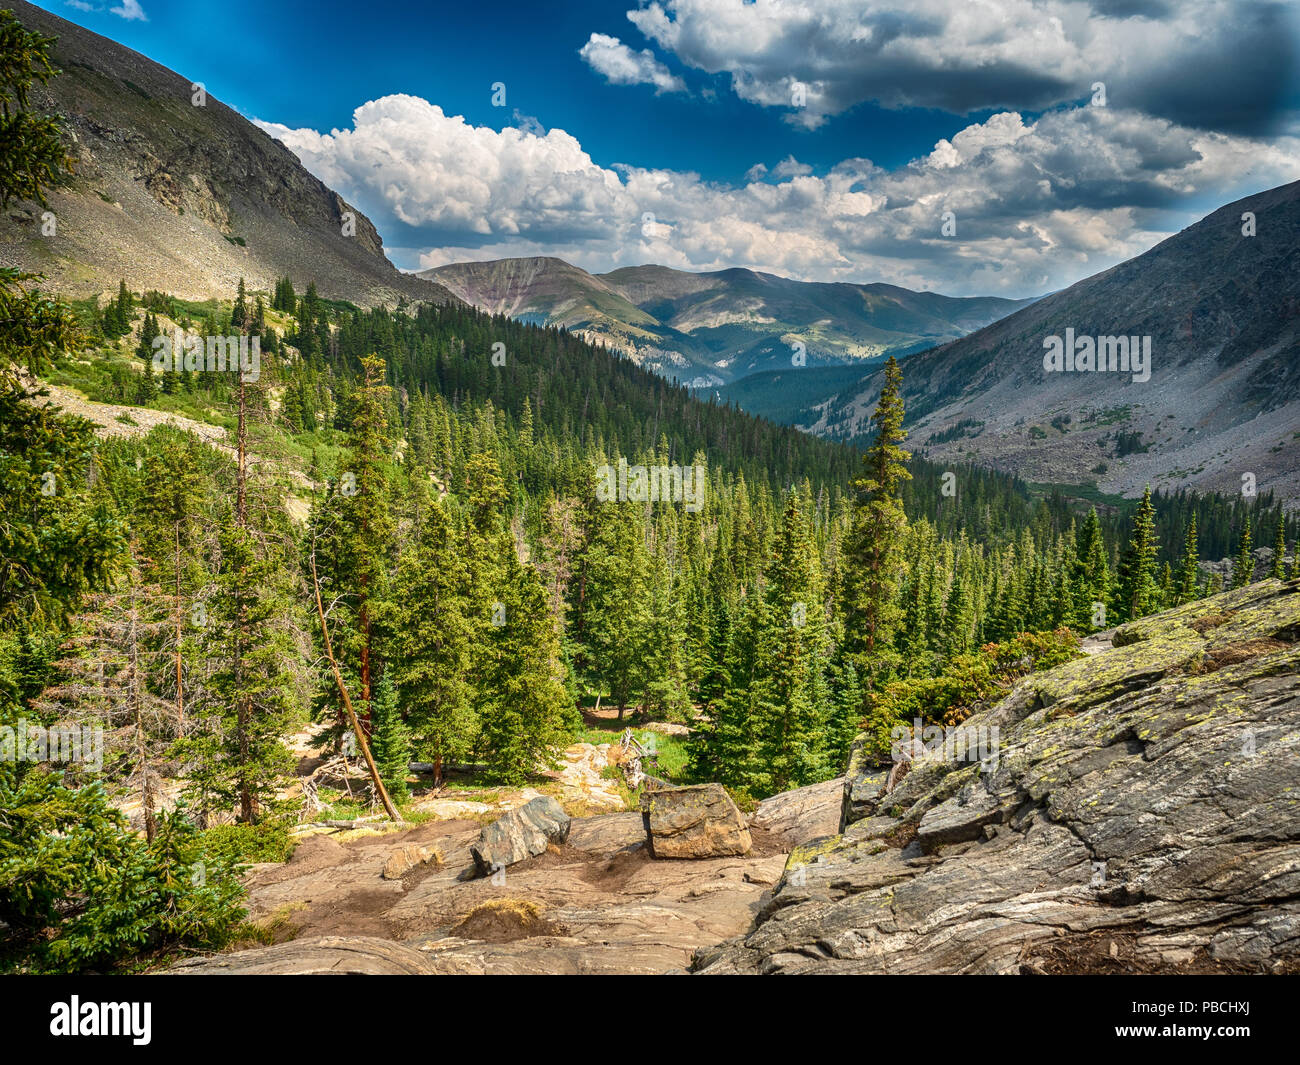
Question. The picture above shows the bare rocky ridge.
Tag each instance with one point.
(1143, 815)
(1223, 312)
(180, 198)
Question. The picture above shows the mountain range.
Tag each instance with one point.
(184, 195)
(1219, 304)
(706, 329)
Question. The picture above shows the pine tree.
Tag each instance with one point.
(722, 748)
(367, 515)
(526, 716)
(391, 745)
(170, 498)
(238, 758)
(239, 313)
(1138, 592)
(1279, 550)
(1243, 569)
(1093, 579)
(431, 643)
(791, 717)
(1188, 570)
(615, 616)
(873, 544)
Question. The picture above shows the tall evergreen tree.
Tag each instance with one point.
(1188, 570)
(1279, 550)
(873, 544)
(1243, 568)
(1138, 592)
(391, 746)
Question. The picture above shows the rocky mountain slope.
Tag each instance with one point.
(182, 198)
(1141, 814)
(710, 328)
(1222, 310)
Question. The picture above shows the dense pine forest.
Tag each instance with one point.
(399, 542)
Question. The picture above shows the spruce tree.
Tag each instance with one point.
(367, 515)
(526, 715)
(1279, 550)
(1138, 592)
(1243, 568)
(1093, 580)
(873, 544)
(1188, 570)
(390, 745)
(431, 642)
(791, 719)
(616, 619)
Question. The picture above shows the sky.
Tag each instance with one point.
(971, 147)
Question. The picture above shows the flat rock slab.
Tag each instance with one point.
(404, 859)
(319, 956)
(520, 834)
(699, 821)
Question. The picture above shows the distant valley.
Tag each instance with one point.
(707, 329)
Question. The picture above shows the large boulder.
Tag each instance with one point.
(520, 834)
(699, 821)
(801, 814)
(1141, 816)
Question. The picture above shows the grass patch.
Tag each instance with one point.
(267, 841)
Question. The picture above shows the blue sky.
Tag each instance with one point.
(683, 112)
(310, 64)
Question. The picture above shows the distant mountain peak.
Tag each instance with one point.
(712, 327)
(183, 198)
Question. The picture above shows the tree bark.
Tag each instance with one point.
(362, 742)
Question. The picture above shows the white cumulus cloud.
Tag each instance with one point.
(1038, 203)
(1215, 64)
(130, 10)
(621, 66)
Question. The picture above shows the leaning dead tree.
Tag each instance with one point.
(363, 744)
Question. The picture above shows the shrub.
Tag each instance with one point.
(79, 890)
(966, 684)
(267, 841)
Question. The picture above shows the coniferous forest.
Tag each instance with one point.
(386, 550)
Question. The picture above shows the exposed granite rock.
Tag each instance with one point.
(404, 859)
(520, 834)
(699, 821)
(802, 813)
(863, 783)
(319, 956)
(1143, 815)
(606, 906)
